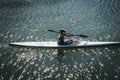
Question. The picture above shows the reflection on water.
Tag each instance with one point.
(29, 20)
(37, 64)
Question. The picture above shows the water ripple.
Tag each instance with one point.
(29, 20)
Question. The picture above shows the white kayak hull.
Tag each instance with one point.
(55, 45)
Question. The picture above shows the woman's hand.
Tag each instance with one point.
(72, 34)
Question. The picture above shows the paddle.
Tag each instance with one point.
(81, 35)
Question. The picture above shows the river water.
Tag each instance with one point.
(29, 20)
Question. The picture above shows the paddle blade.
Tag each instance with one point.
(53, 31)
(82, 35)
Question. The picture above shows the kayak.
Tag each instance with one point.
(49, 44)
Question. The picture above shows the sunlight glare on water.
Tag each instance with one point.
(30, 20)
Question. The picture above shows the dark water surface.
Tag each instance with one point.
(29, 20)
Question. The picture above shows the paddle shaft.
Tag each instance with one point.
(81, 35)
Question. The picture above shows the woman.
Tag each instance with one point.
(61, 38)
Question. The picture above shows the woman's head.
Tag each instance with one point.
(62, 31)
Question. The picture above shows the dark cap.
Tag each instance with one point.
(62, 31)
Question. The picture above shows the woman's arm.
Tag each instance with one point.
(68, 35)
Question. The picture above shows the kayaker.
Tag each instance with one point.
(61, 38)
